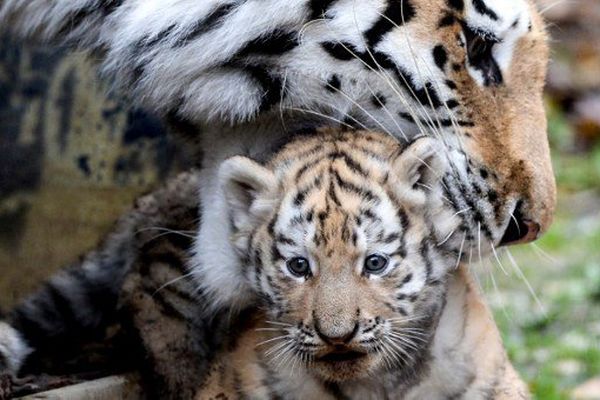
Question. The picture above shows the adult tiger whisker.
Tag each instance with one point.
(269, 329)
(554, 4)
(166, 231)
(388, 112)
(329, 85)
(460, 251)
(522, 276)
(542, 253)
(272, 340)
(498, 259)
(279, 323)
(305, 110)
(179, 278)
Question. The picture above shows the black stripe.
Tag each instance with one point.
(379, 100)
(281, 238)
(458, 5)
(452, 103)
(76, 18)
(435, 121)
(319, 8)
(333, 195)
(150, 41)
(352, 164)
(109, 6)
(483, 9)
(165, 257)
(333, 84)
(440, 56)
(275, 253)
(426, 257)
(61, 305)
(272, 86)
(340, 51)
(391, 237)
(274, 43)
(367, 213)
(426, 95)
(397, 13)
(207, 24)
(351, 187)
(446, 20)
(305, 168)
(300, 196)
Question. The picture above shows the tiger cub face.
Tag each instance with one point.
(341, 238)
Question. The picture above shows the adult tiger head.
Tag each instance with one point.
(346, 241)
(469, 72)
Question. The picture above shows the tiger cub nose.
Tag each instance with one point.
(336, 337)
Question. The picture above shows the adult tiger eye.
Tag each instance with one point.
(375, 264)
(299, 266)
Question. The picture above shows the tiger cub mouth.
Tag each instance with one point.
(342, 355)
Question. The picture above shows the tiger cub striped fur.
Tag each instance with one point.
(347, 244)
(350, 251)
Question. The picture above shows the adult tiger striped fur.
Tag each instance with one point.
(468, 71)
(350, 250)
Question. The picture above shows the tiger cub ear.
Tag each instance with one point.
(246, 185)
(419, 169)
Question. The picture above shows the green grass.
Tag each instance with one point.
(558, 348)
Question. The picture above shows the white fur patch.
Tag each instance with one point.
(13, 347)
(512, 23)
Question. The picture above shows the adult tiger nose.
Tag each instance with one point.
(520, 229)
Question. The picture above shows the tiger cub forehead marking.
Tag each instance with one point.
(339, 191)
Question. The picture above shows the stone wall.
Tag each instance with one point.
(72, 158)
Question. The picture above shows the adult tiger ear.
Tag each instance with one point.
(419, 168)
(247, 186)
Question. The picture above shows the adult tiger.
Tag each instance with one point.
(468, 71)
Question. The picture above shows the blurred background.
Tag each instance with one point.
(546, 296)
(72, 159)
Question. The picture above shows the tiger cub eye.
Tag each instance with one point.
(375, 264)
(299, 266)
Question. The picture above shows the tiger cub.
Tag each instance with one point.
(350, 250)
(344, 241)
